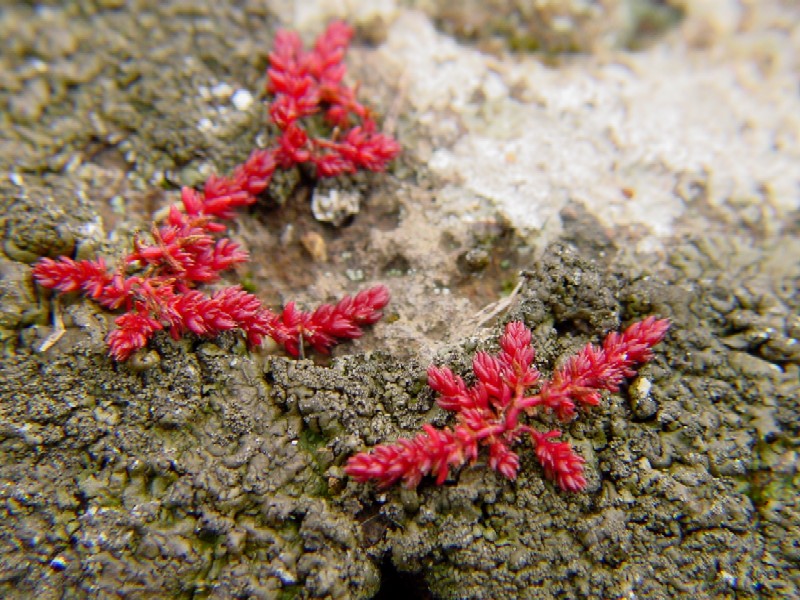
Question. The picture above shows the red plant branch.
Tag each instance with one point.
(155, 284)
(305, 83)
(488, 413)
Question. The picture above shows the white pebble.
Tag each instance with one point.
(242, 99)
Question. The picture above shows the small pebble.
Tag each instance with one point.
(242, 99)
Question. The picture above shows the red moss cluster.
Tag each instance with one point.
(156, 284)
(489, 413)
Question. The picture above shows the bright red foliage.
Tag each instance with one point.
(488, 413)
(305, 83)
(156, 283)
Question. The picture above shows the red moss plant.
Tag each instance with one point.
(488, 414)
(156, 284)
